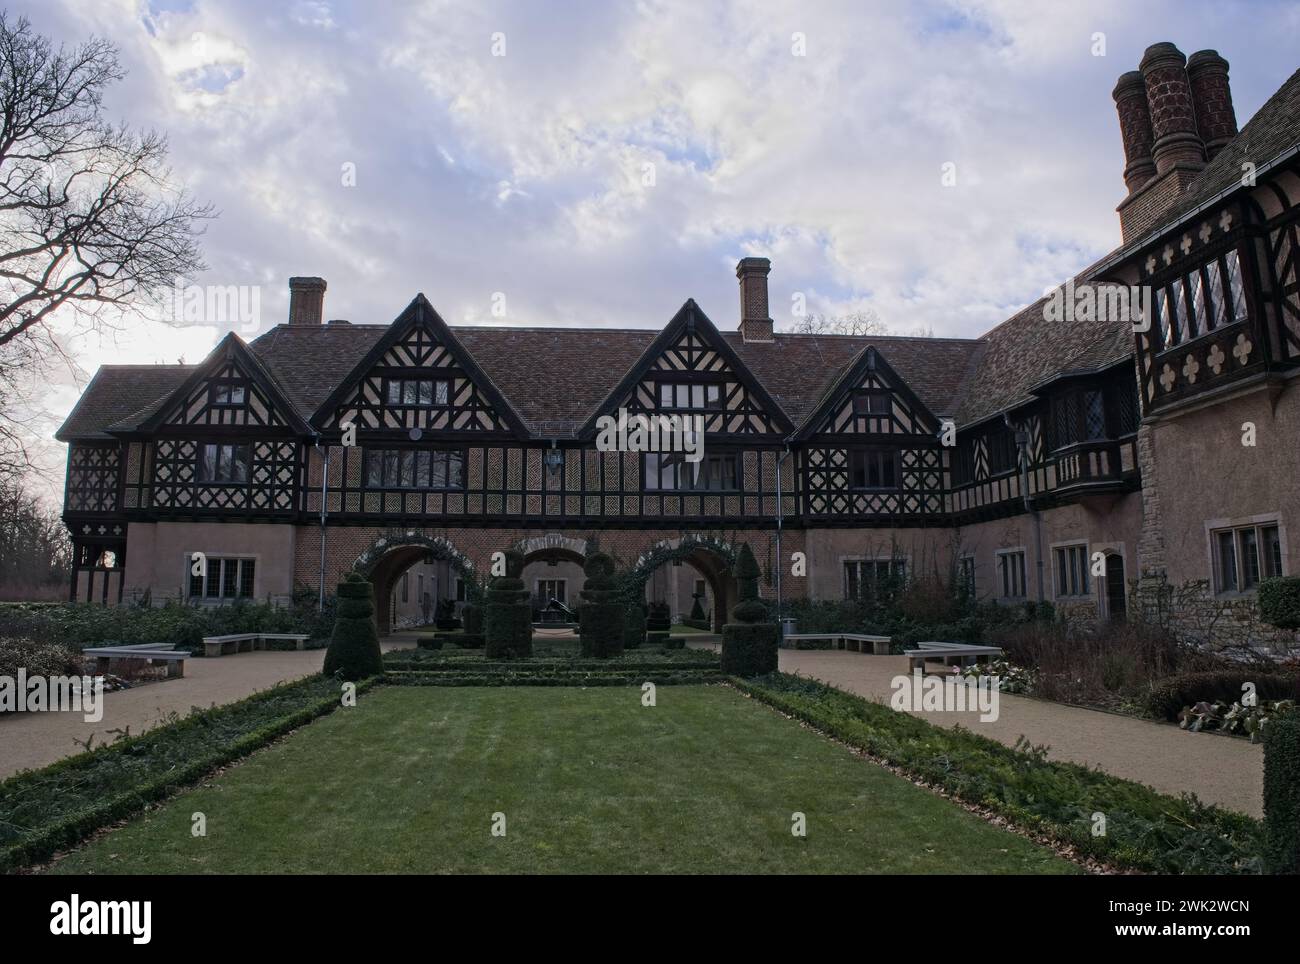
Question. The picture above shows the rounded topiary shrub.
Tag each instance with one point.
(507, 617)
(353, 651)
(749, 645)
(601, 611)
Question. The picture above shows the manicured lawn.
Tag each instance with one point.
(589, 781)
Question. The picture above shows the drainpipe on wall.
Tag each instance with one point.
(780, 518)
(324, 492)
(1022, 442)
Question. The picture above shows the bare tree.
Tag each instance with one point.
(35, 554)
(865, 322)
(89, 217)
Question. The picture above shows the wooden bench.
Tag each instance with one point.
(965, 654)
(247, 642)
(145, 653)
(855, 642)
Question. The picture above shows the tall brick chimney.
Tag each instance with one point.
(1176, 148)
(1215, 119)
(306, 301)
(755, 322)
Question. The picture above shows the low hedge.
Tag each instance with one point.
(517, 676)
(1282, 796)
(429, 642)
(560, 666)
(45, 811)
(1169, 697)
(1145, 830)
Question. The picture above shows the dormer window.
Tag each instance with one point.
(688, 396)
(871, 403)
(418, 392)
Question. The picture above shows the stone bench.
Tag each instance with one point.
(247, 642)
(965, 654)
(855, 642)
(105, 656)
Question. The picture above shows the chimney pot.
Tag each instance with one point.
(1173, 117)
(1212, 97)
(1135, 129)
(755, 321)
(306, 301)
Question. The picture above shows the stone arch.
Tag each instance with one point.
(553, 545)
(712, 557)
(393, 553)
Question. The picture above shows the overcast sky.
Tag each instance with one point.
(815, 134)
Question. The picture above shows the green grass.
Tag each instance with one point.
(589, 781)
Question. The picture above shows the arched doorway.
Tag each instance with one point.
(553, 569)
(711, 557)
(392, 555)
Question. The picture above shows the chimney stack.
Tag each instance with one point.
(1215, 119)
(306, 301)
(1172, 113)
(755, 322)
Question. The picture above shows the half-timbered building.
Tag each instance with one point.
(1051, 458)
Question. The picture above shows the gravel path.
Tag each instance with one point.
(31, 740)
(1218, 769)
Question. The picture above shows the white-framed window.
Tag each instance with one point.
(225, 579)
(1011, 573)
(1242, 555)
(548, 589)
(867, 578)
(1072, 576)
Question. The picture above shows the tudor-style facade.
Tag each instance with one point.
(1074, 441)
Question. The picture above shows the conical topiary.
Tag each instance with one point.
(507, 617)
(749, 645)
(601, 620)
(353, 652)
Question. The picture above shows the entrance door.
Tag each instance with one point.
(1116, 598)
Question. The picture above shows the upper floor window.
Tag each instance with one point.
(871, 403)
(962, 463)
(1004, 454)
(420, 392)
(1208, 297)
(1072, 570)
(1078, 416)
(1244, 555)
(411, 469)
(874, 468)
(692, 395)
(227, 393)
(224, 463)
(670, 470)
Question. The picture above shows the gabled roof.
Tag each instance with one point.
(689, 317)
(867, 361)
(117, 392)
(420, 312)
(230, 348)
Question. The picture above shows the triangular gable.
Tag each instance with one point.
(902, 414)
(229, 389)
(420, 354)
(691, 351)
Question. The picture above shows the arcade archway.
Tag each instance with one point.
(392, 555)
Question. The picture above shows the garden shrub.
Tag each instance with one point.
(507, 617)
(39, 659)
(602, 609)
(445, 617)
(749, 644)
(1282, 796)
(469, 640)
(429, 642)
(1279, 601)
(353, 651)
(660, 618)
(1169, 697)
(633, 626)
(663, 640)
(472, 617)
(697, 609)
